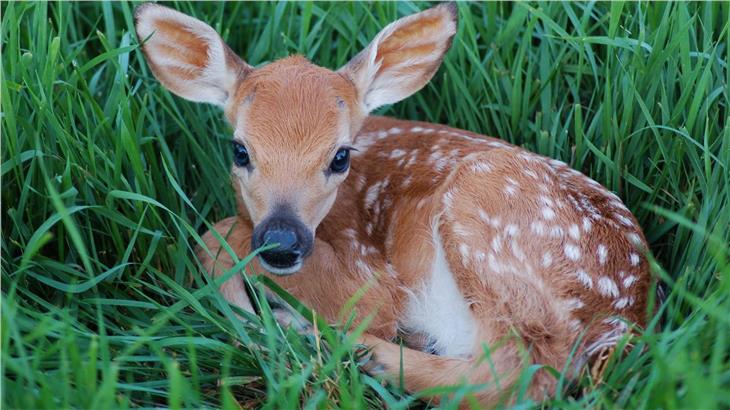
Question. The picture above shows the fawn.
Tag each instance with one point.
(463, 242)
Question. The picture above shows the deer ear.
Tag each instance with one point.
(187, 55)
(403, 57)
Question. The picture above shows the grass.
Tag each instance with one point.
(108, 181)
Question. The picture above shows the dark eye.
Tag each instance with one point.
(341, 161)
(240, 155)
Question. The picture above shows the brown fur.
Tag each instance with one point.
(543, 255)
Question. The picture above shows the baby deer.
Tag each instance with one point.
(465, 243)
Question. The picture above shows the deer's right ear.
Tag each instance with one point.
(403, 56)
(187, 55)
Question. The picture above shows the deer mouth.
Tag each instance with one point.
(281, 271)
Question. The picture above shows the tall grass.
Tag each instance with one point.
(108, 181)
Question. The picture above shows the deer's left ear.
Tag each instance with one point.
(187, 55)
(403, 57)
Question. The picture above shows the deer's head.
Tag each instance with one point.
(294, 122)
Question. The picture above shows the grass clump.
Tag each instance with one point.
(108, 181)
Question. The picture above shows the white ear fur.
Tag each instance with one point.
(187, 55)
(403, 57)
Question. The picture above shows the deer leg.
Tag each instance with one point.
(422, 370)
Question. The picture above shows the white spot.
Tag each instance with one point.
(511, 230)
(572, 252)
(416, 129)
(350, 233)
(623, 220)
(574, 304)
(493, 222)
(584, 278)
(364, 268)
(516, 250)
(397, 153)
(372, 194)
(538, 227)
(439, 310)
(530, 173)
(483, 215)
(574, 232)
(556, 232)
(493, 264)
(545, 200)
(510, 190)
(441, 163)
(602, 254)
(464, 251)
(481, 167)
(435, 155)
(621, 303)
(382, 134)
(634, 259)
(480, 256)
(634, 238)
(395, 131)
(607, 287)
(628, 281)
(497, 243)
(587, 225)
(588, 206)
(548, 213)
(547, 259)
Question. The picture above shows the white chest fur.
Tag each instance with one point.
(439, 310)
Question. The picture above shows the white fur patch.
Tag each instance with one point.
(572, 252)
(634, 259)
(440, 311)
(547, 259)
(584, 278)
(628, 281)
(607, 287)
(587, 225)
(602, 254)
(397, 153)
(574, 232)
(548, 213)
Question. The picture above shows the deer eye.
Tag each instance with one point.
(341, 161)
(240, 155)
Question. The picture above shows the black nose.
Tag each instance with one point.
(288, 252)
(293, 239)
